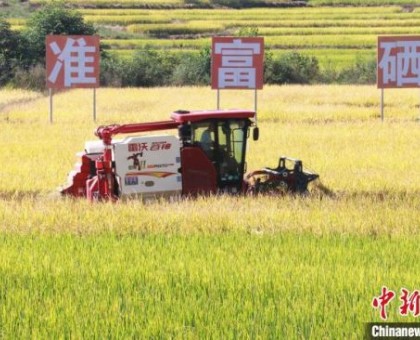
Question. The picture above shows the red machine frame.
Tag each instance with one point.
(96, 179)
(102, 186)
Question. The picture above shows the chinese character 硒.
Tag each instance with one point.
(400, 62)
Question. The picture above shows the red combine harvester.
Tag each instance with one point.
(207, 157)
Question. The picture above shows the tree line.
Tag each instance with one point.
(22, 59)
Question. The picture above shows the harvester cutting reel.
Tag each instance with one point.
(288, 177)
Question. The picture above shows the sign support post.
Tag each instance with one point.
(255, 105)
(382, 104)
(94, 104)
(51, 105)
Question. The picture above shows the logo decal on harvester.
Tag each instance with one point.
(137, 164)
(154, 146)
(131, 180)
(154, 166)
(157, 174)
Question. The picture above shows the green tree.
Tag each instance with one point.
(53, 18)
(363, 71)
(193, 69)
(294, 68)
(9, 52)
(148, 68)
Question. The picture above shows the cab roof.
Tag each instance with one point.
(182, 116)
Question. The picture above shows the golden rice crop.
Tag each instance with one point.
(176, 28)
(220, 266)
(158, 43)
(315, 123)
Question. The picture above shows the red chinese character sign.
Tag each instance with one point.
(237, 63)
(398, 62)
(72, 61)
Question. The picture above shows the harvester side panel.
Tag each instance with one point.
(148, 165)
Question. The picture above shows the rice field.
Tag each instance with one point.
(216, 267)
(335, 35)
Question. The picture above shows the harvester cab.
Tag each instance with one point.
(221, 143)
(207, 157)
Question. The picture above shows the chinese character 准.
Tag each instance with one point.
(383, 300)
(400, 62)
(74, 60)
(237, 67)
(410, 303)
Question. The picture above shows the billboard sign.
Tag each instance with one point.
(237, 63)
(72, 61)
(398, 63)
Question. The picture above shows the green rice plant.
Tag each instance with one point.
(227, 285)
